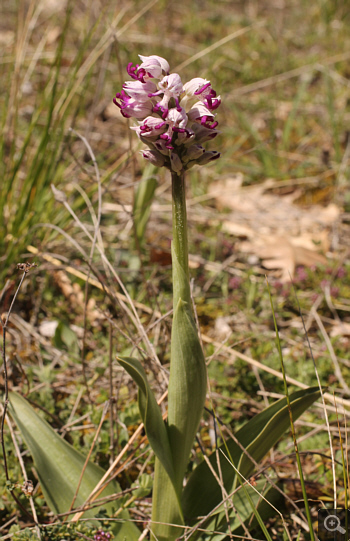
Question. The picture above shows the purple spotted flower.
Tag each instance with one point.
(100, 535)
(173, 119)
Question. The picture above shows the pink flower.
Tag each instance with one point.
(139, 91)
(154, 66)
(130, 107)
(301, 274)
(150, 127)
(200, 113)
(203, 133)
(163, 147)
(341, 272)
(174, 119)
(235, 282)
(194, 85)
(201, 88)
(335, 291)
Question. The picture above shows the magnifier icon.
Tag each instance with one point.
(332, 524)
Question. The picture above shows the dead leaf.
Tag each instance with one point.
(280, 253)
(340, 329)
(282, 234)
(48, 328)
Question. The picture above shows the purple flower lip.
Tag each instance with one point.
(202, 89)
(212, 104)
(132, 70)
(204, 122)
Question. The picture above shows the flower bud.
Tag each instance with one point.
(193, 153)
(208, 156)
(202, 133)
(176, 164)
(153, 156)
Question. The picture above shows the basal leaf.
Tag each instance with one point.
(167, 509)
(59, 467)
(202, 492)
(150, 414)
(187, 388)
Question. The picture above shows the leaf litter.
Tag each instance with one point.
(273, 227)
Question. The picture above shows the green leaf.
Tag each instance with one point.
(143, 200)
(202, 492)
(150, 414)
(66, 337)
(59, 467)
(166, 504)
(166, 508)
(142, 486)
(187, 389)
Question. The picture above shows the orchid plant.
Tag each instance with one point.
(174, 120)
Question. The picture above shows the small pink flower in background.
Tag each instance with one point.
(235, 282)
(301, 274)
(335, 292)
(100, 535)
(341, 272)
(173, 119)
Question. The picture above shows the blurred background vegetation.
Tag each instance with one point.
(282, 70)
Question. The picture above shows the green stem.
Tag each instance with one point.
(187, 381)
(180, 243)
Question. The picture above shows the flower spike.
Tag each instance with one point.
(174, 119)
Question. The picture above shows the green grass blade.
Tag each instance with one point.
(264, 499)
(287, 130)
(143, 200)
